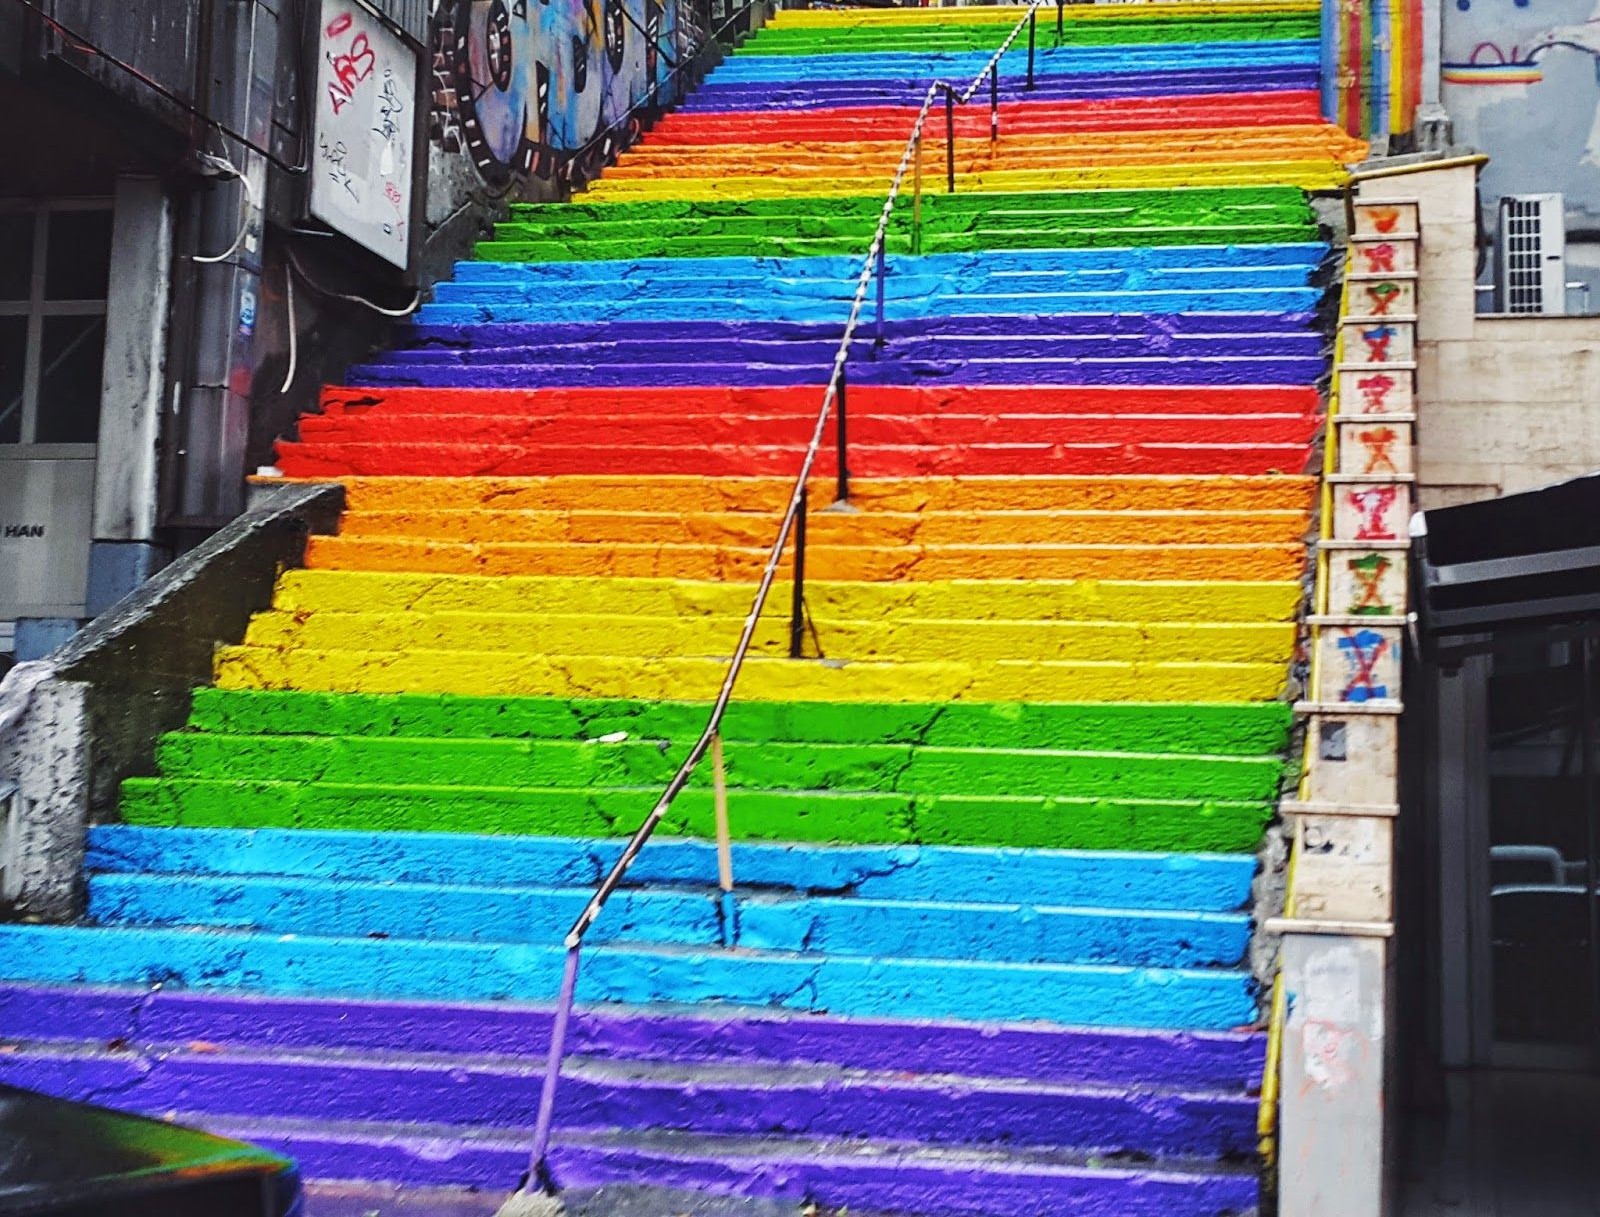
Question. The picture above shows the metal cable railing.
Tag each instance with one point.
(792, 525)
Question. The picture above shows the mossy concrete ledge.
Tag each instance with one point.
(127, 678)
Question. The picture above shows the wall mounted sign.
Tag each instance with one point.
(365, 133)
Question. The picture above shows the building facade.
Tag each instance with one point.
(213, 206)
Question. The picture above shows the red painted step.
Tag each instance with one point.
(753, 460)
(852, 123)
(637, 430)
(806, 400)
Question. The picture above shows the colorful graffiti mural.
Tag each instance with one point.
(1372, 65)
(523, 87)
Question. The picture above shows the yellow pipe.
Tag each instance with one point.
(1449, 162)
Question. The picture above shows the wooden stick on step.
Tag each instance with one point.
(719, 780)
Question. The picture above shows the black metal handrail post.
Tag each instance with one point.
(1032, 15)
(916, 194)
(797, 592)
(880, 337)
(994, 104)
(842, 441)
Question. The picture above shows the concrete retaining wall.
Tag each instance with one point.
(128, 678)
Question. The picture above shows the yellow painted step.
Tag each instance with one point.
(899, 638)
(1307, 175)
(763, 679)
(870, 564)
(887, 529)
(1040, 600)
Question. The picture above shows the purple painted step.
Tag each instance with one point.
(872, 1178)
(1156, 328)
(995, 1122)
(1238, 368)
(488, 1093)
(712, 96)
(809, 355)
(1189, 1060)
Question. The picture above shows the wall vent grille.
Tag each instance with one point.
(1532, 254)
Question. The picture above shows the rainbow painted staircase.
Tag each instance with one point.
(994, 844)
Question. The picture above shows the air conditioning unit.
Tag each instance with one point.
(1533, 254)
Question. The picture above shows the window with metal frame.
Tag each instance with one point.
(55, 264)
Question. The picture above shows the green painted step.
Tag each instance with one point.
(672, 246)
(1242, 729)
(1031, 822)
(364, 760)
(951, 224)
(668, 246)
(953, 36)
(1187, 204)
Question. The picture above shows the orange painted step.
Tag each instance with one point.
(1022, 151)
(845, 124)
(768, 496)
(832, 528)
(1202, 562)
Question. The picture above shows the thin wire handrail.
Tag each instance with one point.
(872, 263)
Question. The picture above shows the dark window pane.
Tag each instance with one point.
(77, 262)
(13, 350)
(70, 356)
(16, 255)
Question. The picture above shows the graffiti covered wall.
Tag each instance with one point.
(1374, 51)
(1521, 81)
(524, 88)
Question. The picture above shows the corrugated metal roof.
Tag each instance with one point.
(410, 15)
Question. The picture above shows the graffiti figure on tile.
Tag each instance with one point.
(1379, 443)
(1375, 391)
(1380, 258)
(1372, 505)
(1382, 296)
(1378, 339)
(1362, 650)
(1368, 572)
(1384, 218)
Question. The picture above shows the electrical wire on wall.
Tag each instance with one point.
(294, 263)
(294, 338)
(229, 169)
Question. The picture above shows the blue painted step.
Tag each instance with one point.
(947, 269)
(1211, 882)
(635, 974)
(906, 929)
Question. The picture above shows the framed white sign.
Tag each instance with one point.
(365, 131)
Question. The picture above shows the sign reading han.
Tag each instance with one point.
(365, 131)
